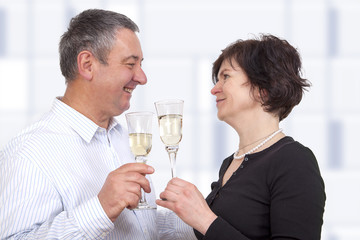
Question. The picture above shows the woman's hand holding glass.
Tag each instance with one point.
(188, 203)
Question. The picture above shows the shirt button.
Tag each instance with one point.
(241, 166)
(246, 159)
(234, 173)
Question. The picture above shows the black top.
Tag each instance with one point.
(277, 193)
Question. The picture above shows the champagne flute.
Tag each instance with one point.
(140, 138)
(170, 114)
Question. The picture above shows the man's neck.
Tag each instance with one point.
(78, 99)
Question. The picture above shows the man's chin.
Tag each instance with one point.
(122, 109)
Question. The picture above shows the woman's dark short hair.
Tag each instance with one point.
(273, 66)
(93, 30)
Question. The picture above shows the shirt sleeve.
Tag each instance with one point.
(171, 227)
(31, 208)
(220, 229)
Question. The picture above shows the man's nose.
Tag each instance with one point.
(140, 76)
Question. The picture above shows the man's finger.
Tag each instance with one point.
(136, 167)
(139, 179)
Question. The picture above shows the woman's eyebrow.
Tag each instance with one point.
(222, 71)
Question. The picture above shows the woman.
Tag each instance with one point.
(271, 187)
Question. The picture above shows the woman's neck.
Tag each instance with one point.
(253, 131)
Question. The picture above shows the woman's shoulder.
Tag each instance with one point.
(290, 154)
(287, 146)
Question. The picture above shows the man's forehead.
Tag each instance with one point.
(128, 44)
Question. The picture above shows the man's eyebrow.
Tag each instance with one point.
(132, 57)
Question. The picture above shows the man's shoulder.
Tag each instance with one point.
(36, 135)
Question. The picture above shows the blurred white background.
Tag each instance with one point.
(180, 40)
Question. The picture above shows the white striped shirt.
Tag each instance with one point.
(51, 173)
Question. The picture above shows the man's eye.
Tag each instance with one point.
(130, 65)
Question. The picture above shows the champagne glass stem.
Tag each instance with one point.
(172, 150)
(142, 201)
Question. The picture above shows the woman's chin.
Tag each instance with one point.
(220, 116)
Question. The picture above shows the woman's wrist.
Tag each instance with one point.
(206, 222)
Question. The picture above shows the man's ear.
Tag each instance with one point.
(85, 64)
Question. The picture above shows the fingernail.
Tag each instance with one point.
(151, 169)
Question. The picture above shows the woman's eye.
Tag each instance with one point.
(226, 76)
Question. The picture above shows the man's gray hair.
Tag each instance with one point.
(93, 30)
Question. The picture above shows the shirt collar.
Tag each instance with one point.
(78, 122)
(114, 124)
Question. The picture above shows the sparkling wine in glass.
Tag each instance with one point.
(170, 115)
(140, 138)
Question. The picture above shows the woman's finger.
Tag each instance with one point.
(169, 196)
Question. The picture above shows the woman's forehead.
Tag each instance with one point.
(230, 64)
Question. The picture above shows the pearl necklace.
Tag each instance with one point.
(258, 146)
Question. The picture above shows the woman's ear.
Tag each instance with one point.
(85, 64)
(263, 95)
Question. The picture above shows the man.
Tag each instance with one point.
(71, 175)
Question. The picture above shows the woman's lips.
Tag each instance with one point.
(218, 101)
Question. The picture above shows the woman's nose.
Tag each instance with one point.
(216, 89)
